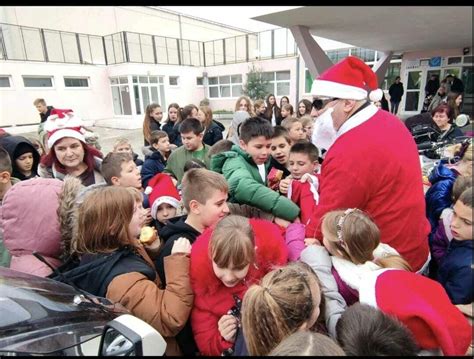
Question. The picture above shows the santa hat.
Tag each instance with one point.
(348, 79)
(63, 123)
(162, 190)
(422, 305)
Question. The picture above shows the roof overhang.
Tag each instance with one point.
(383, 28)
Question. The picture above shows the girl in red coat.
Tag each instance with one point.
(225, 262)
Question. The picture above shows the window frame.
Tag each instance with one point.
(229, 84)
(87, 78)
(275, 82)
(52, 87)
(178, 81)
(10, 82)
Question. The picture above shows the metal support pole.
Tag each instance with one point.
(79, 48)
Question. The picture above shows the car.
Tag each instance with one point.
(40, 316)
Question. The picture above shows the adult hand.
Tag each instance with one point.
(227, 326)
(284, 184)
(181, 245)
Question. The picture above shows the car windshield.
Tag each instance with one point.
(40, 315)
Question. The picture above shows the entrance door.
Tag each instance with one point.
(412, 96)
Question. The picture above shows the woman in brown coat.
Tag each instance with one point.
(115, 264)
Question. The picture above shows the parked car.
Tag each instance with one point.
(39, 316)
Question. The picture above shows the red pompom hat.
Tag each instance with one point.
(63, 123)
(422, 305)
(348, 79)
(162, 190)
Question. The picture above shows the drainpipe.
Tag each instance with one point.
(297, 80)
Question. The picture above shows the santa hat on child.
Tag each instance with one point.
(422, 305)
(348, 79)
(63, 123)
(162, 190)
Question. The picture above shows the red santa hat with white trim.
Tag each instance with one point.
(348, 79)
(162, 190)
(422, 305)
(63, 123)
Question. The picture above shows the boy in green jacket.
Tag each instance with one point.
(246, 169)
(192, 132)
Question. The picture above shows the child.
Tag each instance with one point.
(260, 108)
(281, 144)
(152, 121)
(306, 343)
(37, 145)
(164, 199)
(169, 127)
(192, 132)
(225, 262)
(246, 168)
(353, 239)
(6, 182)
(119, 169)
(456, 271)
(220, 146)
(307, 122)
(24, 157)
(286, 111)
(439, 242)
(295, 129)
(365, 331)
(115, 265)
(285, 301)
(123, 145)
(302, 185)
(212, 131)
(158, 158)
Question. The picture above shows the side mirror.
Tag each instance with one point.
(462, 120)
(130, 336)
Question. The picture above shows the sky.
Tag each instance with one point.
(241, 18)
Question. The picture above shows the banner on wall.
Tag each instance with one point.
(435, 61)
(413, 64)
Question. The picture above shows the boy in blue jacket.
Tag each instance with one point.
(456, 271)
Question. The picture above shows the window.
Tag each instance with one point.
(337, 55)
(5, 81)
(225, 86)
(308, 81)
(38, 81)
(199, 81)
(146, 90)
(174, 80)
(76, 82)
(454, 60)
(121, 95)
(278, 82)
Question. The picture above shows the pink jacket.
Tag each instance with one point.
(30, 223)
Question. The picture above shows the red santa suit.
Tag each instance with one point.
(373, 165)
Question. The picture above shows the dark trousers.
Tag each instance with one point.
(394, 107)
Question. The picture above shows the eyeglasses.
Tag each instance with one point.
(322, 102)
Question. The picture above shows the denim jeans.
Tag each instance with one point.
(394, 107)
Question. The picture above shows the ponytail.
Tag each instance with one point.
(393, 261)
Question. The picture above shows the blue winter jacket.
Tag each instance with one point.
(438, 196)
(456, 272)
(154, 164)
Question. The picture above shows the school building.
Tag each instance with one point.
(109, 63)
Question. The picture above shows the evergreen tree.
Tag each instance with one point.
(256, 85)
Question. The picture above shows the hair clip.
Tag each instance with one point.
(340, 223)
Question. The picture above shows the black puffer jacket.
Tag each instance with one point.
(11, 143)
(213, 133)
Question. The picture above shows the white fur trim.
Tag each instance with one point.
(358, 119)
(367, 290)
(447, 216)
(56, 136)
(352, 274)
(338, 90)
(384, 250)
(148, 190)
(290, 190)
(163, 199)
(314, 186)
(375, 95)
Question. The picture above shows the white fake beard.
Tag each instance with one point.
(324, 133)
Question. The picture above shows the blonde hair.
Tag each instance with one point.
(232, 243)
(39, 101)
(355, 236)
(103, 220)
(199, 184)
(289, 122)
(277, 307)
(249, 105)
(306, 120)
(122, 141)
(307, 343)
(289, 108)
(258, 103)
(207, 114)
(136, 194)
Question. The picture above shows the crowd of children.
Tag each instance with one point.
(265, 243)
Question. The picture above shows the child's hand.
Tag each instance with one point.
(281, 222)
(227, 326)
(181, 245)
(147, 218)
(284, 184)
(310, 241)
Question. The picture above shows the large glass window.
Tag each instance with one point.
(225, 86)
(278, 82)
(121, 95)
(147, 90)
